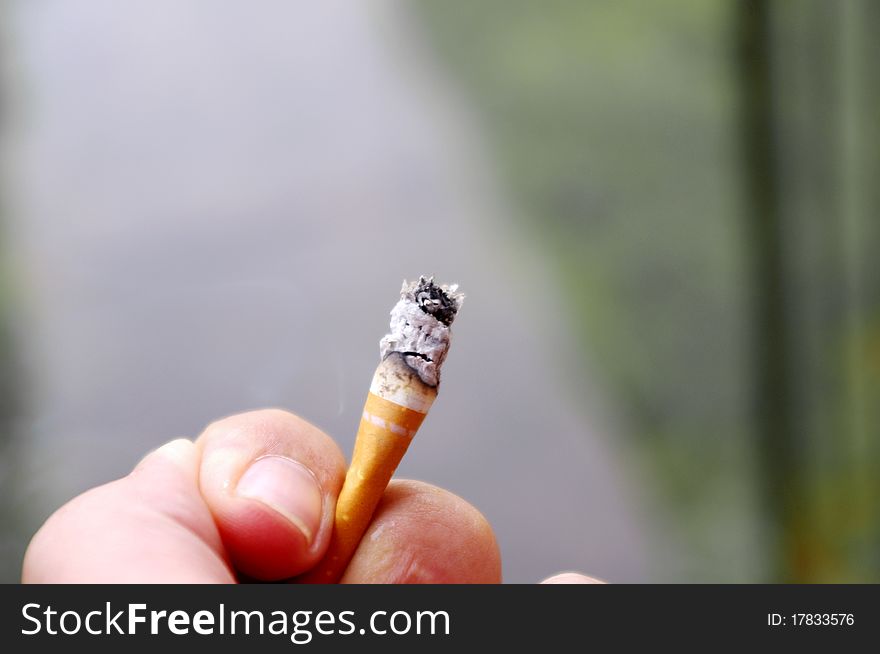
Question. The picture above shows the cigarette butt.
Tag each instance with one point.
(403, 389)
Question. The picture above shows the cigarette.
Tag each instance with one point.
(403, 389)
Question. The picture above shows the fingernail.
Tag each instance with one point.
(287, 487)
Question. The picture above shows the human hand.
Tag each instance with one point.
(253, 498)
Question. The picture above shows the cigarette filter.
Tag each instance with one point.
(403, 388)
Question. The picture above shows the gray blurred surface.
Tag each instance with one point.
(215, 209)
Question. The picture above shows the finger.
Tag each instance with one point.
(423, 534)
(151, 526)
(571, 578)
(271, 481)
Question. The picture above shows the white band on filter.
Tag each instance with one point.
(393, 427)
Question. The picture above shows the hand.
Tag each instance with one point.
(253, 498)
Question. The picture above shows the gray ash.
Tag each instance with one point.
(420, 326)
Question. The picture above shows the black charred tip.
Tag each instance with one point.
(439, 301)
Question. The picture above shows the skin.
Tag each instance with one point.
(176, 518)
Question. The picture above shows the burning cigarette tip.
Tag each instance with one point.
(420, 324)
(438, 300)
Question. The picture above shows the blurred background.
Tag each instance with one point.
(665, 216)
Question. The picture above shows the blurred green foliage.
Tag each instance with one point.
(11, 534)
(11, 528)
(702, 258)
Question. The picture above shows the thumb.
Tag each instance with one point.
(271, 480)
(151, 526)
